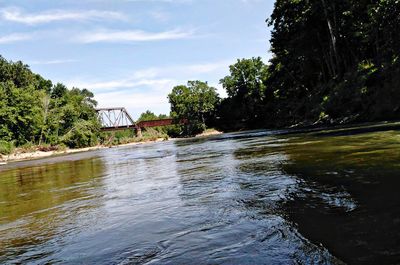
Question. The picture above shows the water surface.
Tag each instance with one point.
(259, 197)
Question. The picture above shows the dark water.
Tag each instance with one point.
(243, 198)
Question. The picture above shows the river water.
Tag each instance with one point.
(257, 197)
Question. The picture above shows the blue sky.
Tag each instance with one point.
(131, 53)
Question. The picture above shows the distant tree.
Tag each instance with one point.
(163, 116)
(246, 79)
(58, 90)
(147, 116)
(245, 87)
(196, 102)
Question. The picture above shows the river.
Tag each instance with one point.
(254, 197)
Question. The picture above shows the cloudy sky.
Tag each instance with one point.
(131, 53)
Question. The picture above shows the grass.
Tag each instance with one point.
(6, 147)
(128, 136)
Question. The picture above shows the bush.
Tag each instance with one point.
(83, 134)
(47, 148)
(6, 147)
(27, 147)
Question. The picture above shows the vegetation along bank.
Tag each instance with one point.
(333, 62)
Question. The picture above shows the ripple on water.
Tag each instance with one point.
(241, 198)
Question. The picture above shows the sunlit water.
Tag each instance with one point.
(261, 197)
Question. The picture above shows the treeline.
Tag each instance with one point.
(34, 111)
(333, 62)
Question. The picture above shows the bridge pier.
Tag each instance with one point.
(138, 132)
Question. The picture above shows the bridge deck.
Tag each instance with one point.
(145, 124)
(155, 123)
(118, 128)
(114, 119)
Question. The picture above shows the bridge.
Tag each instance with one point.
(114, 119)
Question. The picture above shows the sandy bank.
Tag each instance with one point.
(209, 132)
(21, 156)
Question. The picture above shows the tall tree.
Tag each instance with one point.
(196, 102)
(32, 110)
(328, 57)
(245, 87)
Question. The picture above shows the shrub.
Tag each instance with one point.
(6, 147)
(83, 134)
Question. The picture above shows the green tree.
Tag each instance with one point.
(245, 87)
(68, 112)
(334, 60)
(196, 102)
(34, 111)
(147, 116)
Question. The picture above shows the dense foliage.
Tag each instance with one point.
(161, 131)
(34, 111)
(245, 87)
(332, 62)
(195, 102)
(150, 116)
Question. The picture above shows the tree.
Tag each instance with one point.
(71, 110)
(333, 60)
(196, 102)
(147, 116)
(245, 87)
(58, 91)
(34, 111)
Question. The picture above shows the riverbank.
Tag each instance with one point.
(209, 132)
(22, 155)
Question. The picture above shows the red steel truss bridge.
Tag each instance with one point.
(114, 119)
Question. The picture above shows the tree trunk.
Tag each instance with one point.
(332, 35)
(46, 102)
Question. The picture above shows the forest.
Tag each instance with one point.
(332, 62)
(34, 111)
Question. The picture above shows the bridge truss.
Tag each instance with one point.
(115, 119)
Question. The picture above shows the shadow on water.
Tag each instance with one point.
(347, 198)
(236, 196)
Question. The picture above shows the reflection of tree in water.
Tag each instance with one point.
(39, 203)
(269, 188)
(347, 198)
(236, 186)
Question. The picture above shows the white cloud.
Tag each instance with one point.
(16, 15)
(137, 100)
(189, 72)
(132, 36)
(207, 67)
(52, 62)
(15, 37)
(156, 77)
(159, 15)
(162, 1)
(136, 103)
(250, 1)
(148, 88)
(122, 83)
